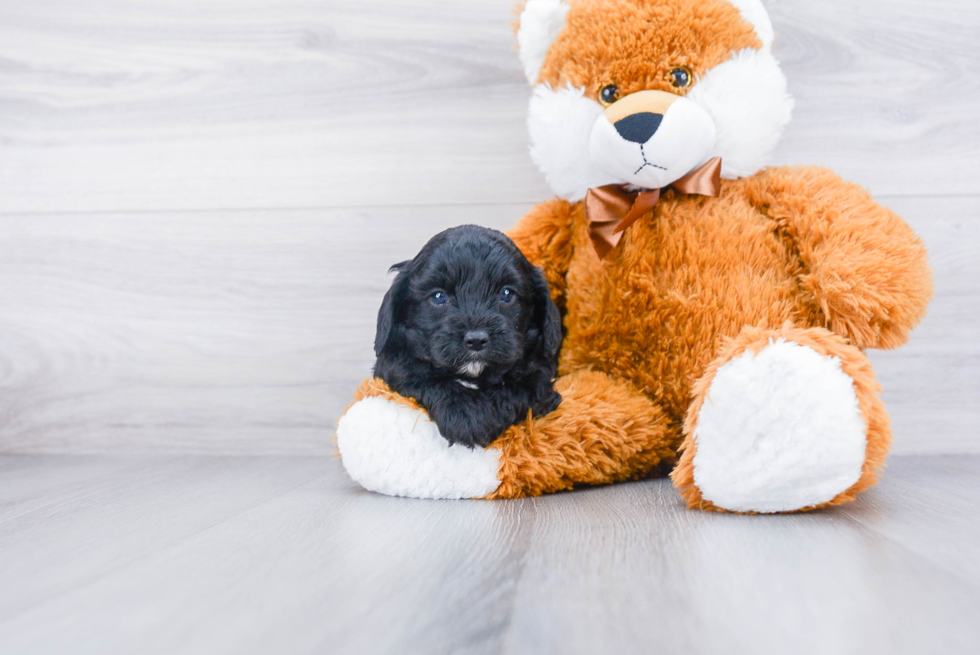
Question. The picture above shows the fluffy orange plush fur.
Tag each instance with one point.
(787, 253)
(700, 35)
(784, 250)
(795, 246)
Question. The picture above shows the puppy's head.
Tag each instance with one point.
(469, 303)
(642, 92)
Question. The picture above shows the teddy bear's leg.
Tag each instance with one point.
(783, 420)
(388, 445)
(603, 431)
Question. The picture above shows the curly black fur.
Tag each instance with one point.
(469, 330)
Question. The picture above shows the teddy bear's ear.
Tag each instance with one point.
(540, 24)
(755, 13)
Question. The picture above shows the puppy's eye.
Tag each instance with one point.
(608, 95)
(439, 298)
(681, 77)
(507, 296)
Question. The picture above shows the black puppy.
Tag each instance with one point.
(469, 330)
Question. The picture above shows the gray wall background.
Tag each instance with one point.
(199, 199)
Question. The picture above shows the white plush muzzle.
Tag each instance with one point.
(737, 111)
(681, 143)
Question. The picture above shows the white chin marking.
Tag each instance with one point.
(392, 449)
(779, 431)
(472, 369)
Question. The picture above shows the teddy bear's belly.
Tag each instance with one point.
(670, 294)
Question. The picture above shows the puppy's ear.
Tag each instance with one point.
(546, 314)
(389, 308)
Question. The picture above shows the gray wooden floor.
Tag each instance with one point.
(286, 555)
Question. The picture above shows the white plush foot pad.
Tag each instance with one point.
(779, 431)
(395, 450)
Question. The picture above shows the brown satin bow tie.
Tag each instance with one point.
(611, 209)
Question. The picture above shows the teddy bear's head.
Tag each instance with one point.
(642, 92)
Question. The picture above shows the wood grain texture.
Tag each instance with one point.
(931, 385)
(286, 555)
(235, 332)
(246, 332)
(109, 105)
(198, 201)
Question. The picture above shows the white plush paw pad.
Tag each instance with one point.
(780, 430)
(395, 450)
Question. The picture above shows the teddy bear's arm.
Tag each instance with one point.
(865, 266)
(544, 235)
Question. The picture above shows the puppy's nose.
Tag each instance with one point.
(476, 340)
(638, 128)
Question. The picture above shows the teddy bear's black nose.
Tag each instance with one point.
(638, 128)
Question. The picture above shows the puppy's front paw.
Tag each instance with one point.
(547, 405)
(394, 449)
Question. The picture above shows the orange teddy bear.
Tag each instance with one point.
(716, 311)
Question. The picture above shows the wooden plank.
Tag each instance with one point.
(164, 105)
(75, 534)
(885, 90)
(923, 497)
(302, 565)
(196, 332)
(299, 570)
(693, 582)
(27, 488)
(190, 105)
(932, 383)
(246, 332)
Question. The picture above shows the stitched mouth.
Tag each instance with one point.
(646, 163)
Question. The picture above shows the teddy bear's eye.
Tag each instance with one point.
(681, 77)
(609, 94)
